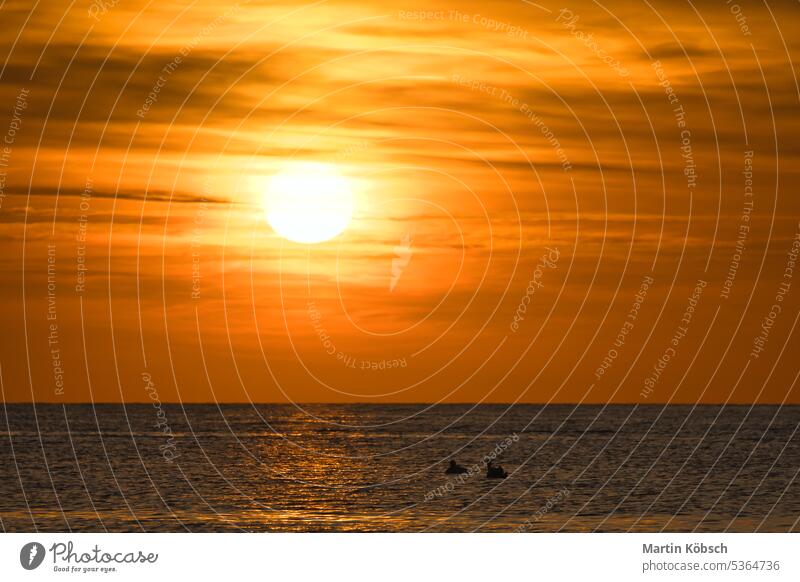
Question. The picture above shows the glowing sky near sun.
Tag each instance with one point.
(503, 155)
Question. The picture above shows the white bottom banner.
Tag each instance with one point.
(400, 557)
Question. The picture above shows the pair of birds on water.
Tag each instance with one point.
(492, 472)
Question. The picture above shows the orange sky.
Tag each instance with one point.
(512, 146)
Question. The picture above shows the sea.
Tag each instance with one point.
(381, 468)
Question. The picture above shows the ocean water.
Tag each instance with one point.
(381, 468)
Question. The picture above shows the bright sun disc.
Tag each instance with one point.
(308, 203)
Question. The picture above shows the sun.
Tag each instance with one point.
(308, 202)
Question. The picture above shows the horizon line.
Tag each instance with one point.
(207, 403)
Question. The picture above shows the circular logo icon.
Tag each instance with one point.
(31, 555)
